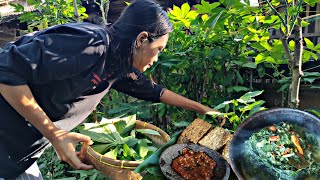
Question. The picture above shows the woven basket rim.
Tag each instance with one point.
(123, 163)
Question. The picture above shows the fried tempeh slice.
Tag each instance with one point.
(215, 139)
(194, 132)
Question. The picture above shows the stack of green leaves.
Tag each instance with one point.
(120, 140)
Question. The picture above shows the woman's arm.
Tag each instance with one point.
(143, 88)
(22, 100)
(171, 98)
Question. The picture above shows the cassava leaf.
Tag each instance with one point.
(111, 130)
(96, 135)
(123, 125)
(126, 150)
(130, 141)
(142, 149)
(100, 148)
(250, 95)
(113, 153)
(148, 131)
(147, 141)
(120, 125)
(88, 126)
(131, 122)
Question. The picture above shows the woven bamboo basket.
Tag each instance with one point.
(120, 169)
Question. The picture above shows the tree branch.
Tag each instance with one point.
(76, 13)
(278, 14)
(295, 17)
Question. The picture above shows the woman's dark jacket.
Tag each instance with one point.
(65, 68)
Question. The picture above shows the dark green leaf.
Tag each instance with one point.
(155, 170)
(131, 122)
(284, 87)
(118, 110)
(250, 65)
(212, 22)
(239, 77)
(120, 125)
(100, 148)
(130, 141)
(17, 7)
(181, 123)
(237, 89)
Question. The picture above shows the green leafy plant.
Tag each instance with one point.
(316, 112)
(284, 17)
(208, 58)
(50, 166)
(49, 13)
(86, 174)
(119, 140)
(237, 110)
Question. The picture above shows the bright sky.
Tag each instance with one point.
(254, 3)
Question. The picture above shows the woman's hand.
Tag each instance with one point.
(65, 143)
(218, 116)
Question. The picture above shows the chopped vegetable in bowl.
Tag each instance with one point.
(283, 151)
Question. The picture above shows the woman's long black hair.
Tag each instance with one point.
(140, 15)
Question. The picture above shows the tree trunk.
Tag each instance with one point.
(104, 8)
(296, 66)
(76, 13)
(287, 53)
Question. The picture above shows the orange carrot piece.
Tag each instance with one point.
(273, 138)
(296, 142)
(273, 128)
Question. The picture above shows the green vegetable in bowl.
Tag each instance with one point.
(283, 151)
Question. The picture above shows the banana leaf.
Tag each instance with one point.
(152, 162)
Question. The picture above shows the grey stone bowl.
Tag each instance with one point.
(254, 124)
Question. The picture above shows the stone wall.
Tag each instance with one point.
(7, 34)
(9, 24)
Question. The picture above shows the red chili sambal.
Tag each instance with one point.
(194, 165)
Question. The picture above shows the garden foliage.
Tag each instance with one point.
(213, 55)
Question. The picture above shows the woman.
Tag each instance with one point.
(52, 80)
